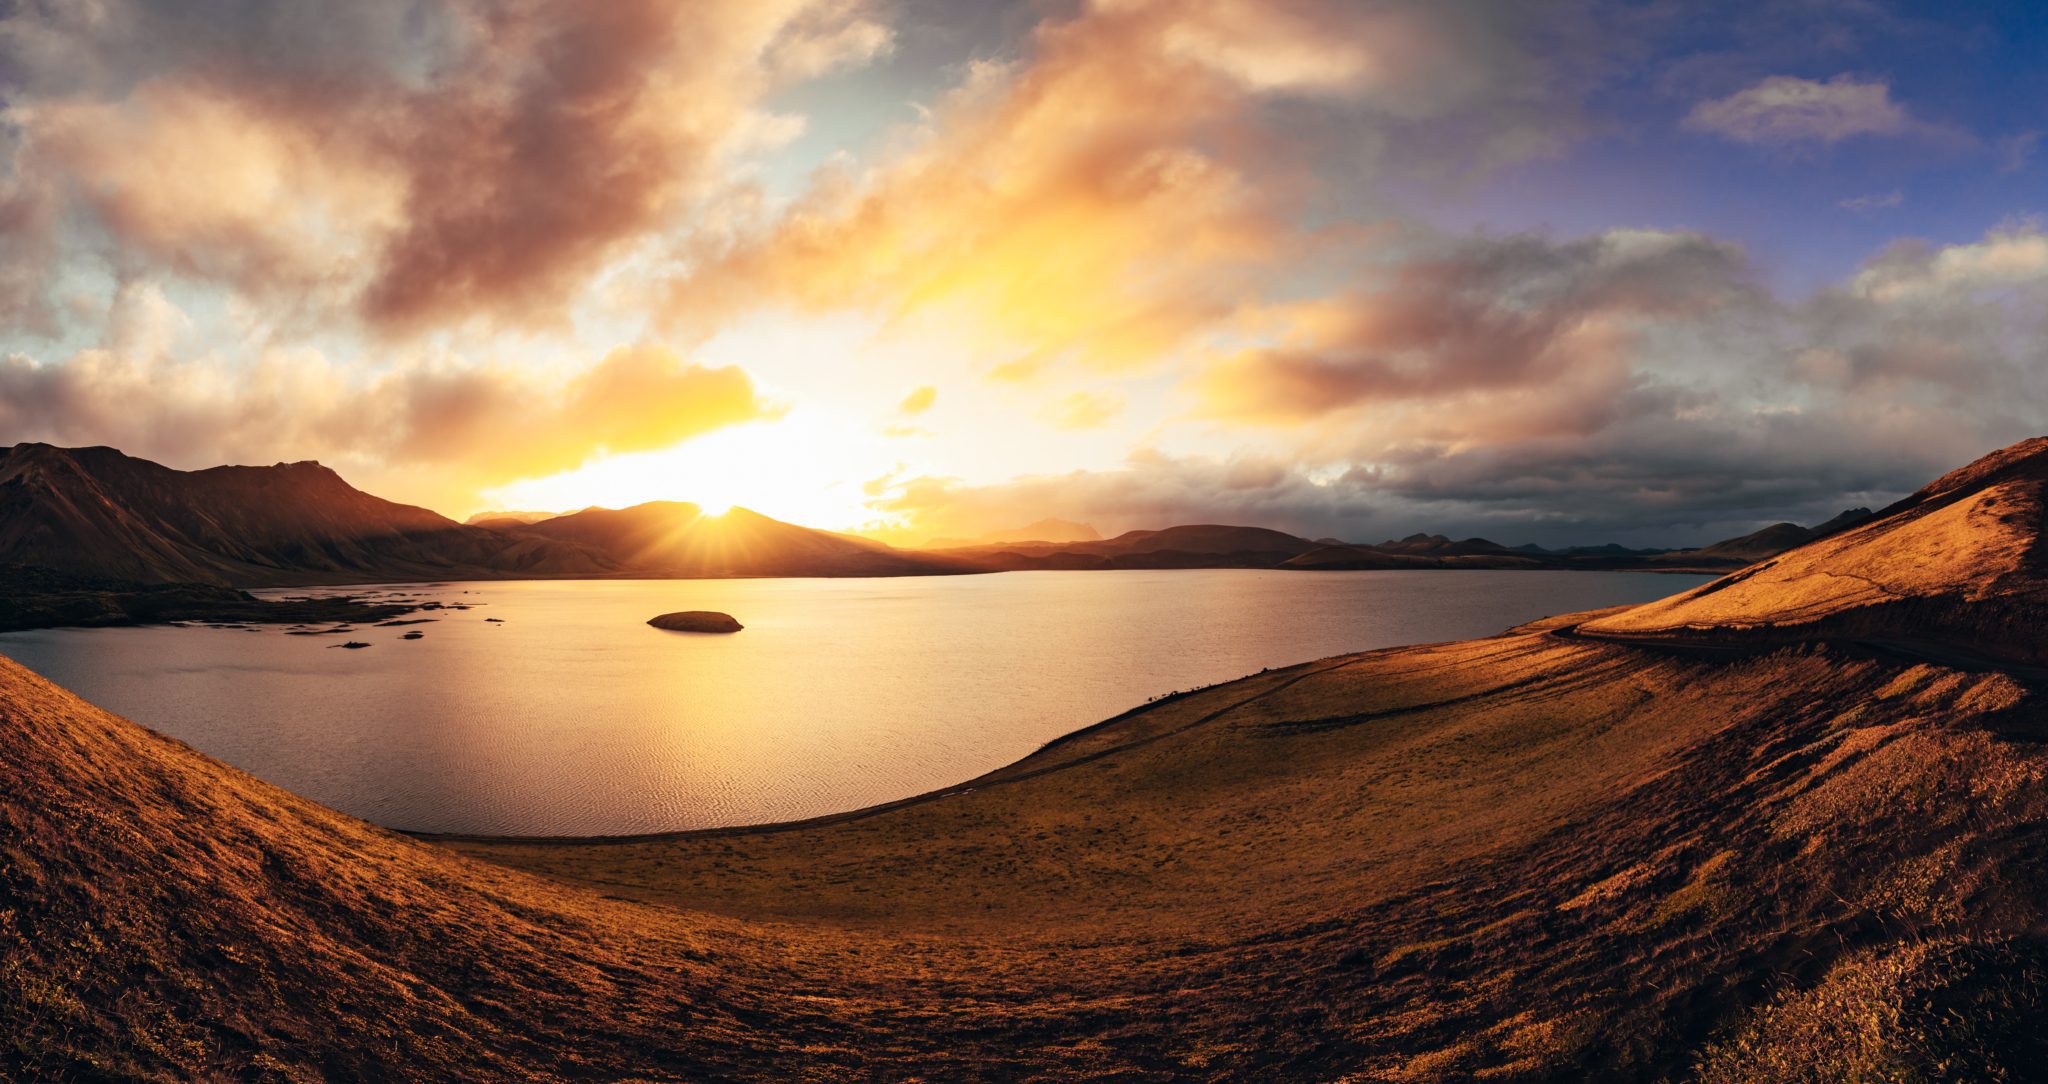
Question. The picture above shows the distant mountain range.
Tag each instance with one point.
(1216, 546)
(99, 513)
(1045, 530)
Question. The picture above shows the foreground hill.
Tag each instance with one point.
(1539, 856)
(1957, 567)
(97, 512)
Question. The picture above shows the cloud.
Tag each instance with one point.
(1192, 202)
(1485, 315)
(1744, 408)
(1785, 109)
(440, 431)
(1118, 191)
(1883, 202)
(2014, 152)
(575, 129)
(1909, 271)
(422, 165)
(1084, 410)
(498, 426)
(197, 179)
(1151, 490)
(1635, 386)
(1662, 477)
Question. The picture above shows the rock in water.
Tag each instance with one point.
(696, 621)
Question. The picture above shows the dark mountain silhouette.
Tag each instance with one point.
(672, 538)
(1217, 546)
(1045, 530)
(1199, 545)
(1757, 545)
(95, 511)
(1788, 827)
(508, 519)
(1767, 542)
(1607, 549)
(98, 513)
(1438, 551)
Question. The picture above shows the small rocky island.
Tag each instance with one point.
(696, 621)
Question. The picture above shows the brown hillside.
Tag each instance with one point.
(1957, 566)
(1531, 857)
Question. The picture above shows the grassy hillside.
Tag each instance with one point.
(1538, 856)
(1529, 855)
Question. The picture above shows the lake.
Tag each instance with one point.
(570, 716)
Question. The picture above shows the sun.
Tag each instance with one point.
(778, 469)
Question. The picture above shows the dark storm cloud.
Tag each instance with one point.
(1482, 314)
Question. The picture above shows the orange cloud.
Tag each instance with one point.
(1084, 410)
(918, 401)
(1150, 490)
(1121, 192)
(497, 426)
(433, 434)
(1097, 201)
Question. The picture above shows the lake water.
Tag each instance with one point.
(571, 716)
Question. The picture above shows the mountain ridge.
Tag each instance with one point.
(101, 513)
(97, 512)
(677, 538)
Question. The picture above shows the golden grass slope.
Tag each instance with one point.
(1519, 858)
(1959, 563)
(1536, 856)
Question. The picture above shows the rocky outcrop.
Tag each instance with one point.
(696, 621)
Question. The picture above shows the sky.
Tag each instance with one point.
(1561, 272)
